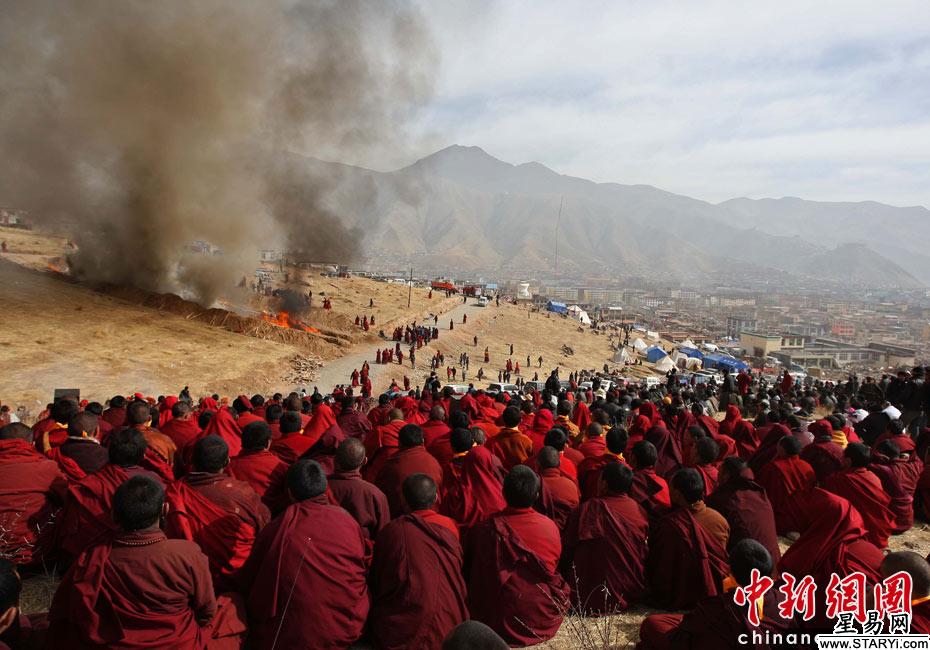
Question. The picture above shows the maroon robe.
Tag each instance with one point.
(513, 583)
(899, 479)
(266, 473)
(824, 456)
(864, 491)
(418, 592)
(593, 446)
(312, 556)
(590, 470)
(181, 432)
(685, 562)
(290, 446)
(472, 490)
(434, 429)
(669, 454)
(833, 540)
(605, 549)
(224, 425)
(222, 514)
(710, 476)
(141, 590)
(558, 496)
(786, 482)
(31, 491)
(651, 492)
(412, 460)
(365, 502)
(87, 515)
(769, 436)
(354, 424)
(747, 509)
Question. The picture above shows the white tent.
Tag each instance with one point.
(621, 356)
(710, 346)
(693, 362)
(639, 345)
(687, 343)
(664, 364)
(654, 336)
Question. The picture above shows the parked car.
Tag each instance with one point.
(494, 389)
(483, 301)
(651, 382)
(457, 389)
(531, 386)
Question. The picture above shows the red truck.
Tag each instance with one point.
(443, 285)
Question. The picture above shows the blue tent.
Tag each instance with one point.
(655, 353)
(557, 307)
(692, 352)
(721, 361)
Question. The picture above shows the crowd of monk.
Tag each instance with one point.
(428, 520)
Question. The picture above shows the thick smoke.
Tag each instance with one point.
(142, 127)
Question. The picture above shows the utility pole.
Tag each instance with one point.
(410, 288)
(558, 220)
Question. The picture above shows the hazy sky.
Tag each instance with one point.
(823, 100)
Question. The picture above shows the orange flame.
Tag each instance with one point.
(56, 265)
(283, 319)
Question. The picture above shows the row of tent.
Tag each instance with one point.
(689, 357)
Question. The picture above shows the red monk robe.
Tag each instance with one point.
(224, 425)
(182, 431)
(864, 491)
(86, 517)
(434, 430)
(745, 506)
(222, 514)
(472, 489)
(141, 590)
(685, 562)
(406, 462)
(899, 479)
(669, 454)
(651, 492)
(823, 455)
(833, 540)
(323, 418)
(605, 554)
(512, 447)
(418, 592)
(786, 482)
(513, 583)
(711, 477)
(380, 444)
(31, 490)
(365, 502)
(290, 446)
(312, 558)
(265, 472)
(558, 496)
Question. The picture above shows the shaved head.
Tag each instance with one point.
(437, 413)
(396, 414)
(473, 635)
(82, 423)
(16, 430)
(350, 455)
(912, 563)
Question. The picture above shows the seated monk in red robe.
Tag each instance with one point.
(293, 443)
(417, 588)
(139, 417)
(244, 409)
(589, 471)
(32, 489)
(823, 454)
(260, 468)
(365, 502)
(604, 553)
(182, 428)
(897, 433)
(558, 495)
(687, 560)
(138, 589)
(82, 448)
(899, 473)
(322, 419)
(863, 489)
(786, 480)
(18, 631)
(649, 489)
(472, 484)
(704, 458)
(511, 567)
(53, 430)
(382, 443)
(222, 514)
(593, 444)
(411, 458)
(436, 426)
(745, 506)
(86, 517)
(717, 622)
(919, 570)
(311, 558)
(833, 540)
(510, 445)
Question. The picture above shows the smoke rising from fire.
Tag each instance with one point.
(141, 127)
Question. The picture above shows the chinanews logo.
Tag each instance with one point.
(883, 622)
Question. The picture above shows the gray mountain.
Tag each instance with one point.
(461, 209)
